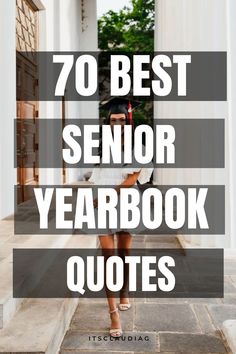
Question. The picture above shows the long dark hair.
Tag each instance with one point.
(107, 121)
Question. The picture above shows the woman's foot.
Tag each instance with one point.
(115, 330)
(124, 301)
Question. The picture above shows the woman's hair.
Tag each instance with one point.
(108, 122)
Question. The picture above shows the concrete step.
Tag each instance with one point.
(229, 331)
(8, 242)
(38, 325)
(6, 233)
(8, 304)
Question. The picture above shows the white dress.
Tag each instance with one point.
(115, 176)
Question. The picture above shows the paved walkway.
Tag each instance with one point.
(170, 326)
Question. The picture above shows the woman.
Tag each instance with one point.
(120, 112)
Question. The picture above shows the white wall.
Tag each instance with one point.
(49, 40)
(59, 31)
(88, 40)
(190, 25)
(60, 26)
(67, 26)
(231, 28)
(8, 106)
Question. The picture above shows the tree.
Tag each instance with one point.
(131, 29)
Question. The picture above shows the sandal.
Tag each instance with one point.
(124, 307)
(115, 332)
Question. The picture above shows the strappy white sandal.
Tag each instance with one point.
(115, 332)
(124, 307)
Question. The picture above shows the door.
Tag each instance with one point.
(27, 86)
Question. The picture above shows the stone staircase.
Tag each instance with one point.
(33, 325)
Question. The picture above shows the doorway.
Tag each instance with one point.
(27, 86)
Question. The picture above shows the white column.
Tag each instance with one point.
(8, 106)
(49, 40)
(68, 26)
(88, 42)
(190, 25)
(231, 10)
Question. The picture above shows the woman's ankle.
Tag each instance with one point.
(124, 294)
(113, 310)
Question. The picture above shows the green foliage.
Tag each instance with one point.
(131, 29)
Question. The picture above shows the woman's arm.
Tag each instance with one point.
(128, 182)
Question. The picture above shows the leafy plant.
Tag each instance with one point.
(129, 30)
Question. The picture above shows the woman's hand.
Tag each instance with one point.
(129, 181)
(95, 203)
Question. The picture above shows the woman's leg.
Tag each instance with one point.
(124, 243)
(107, 243)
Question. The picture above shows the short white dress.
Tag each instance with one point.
(115, 176)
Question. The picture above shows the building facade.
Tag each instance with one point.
(71, 25)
